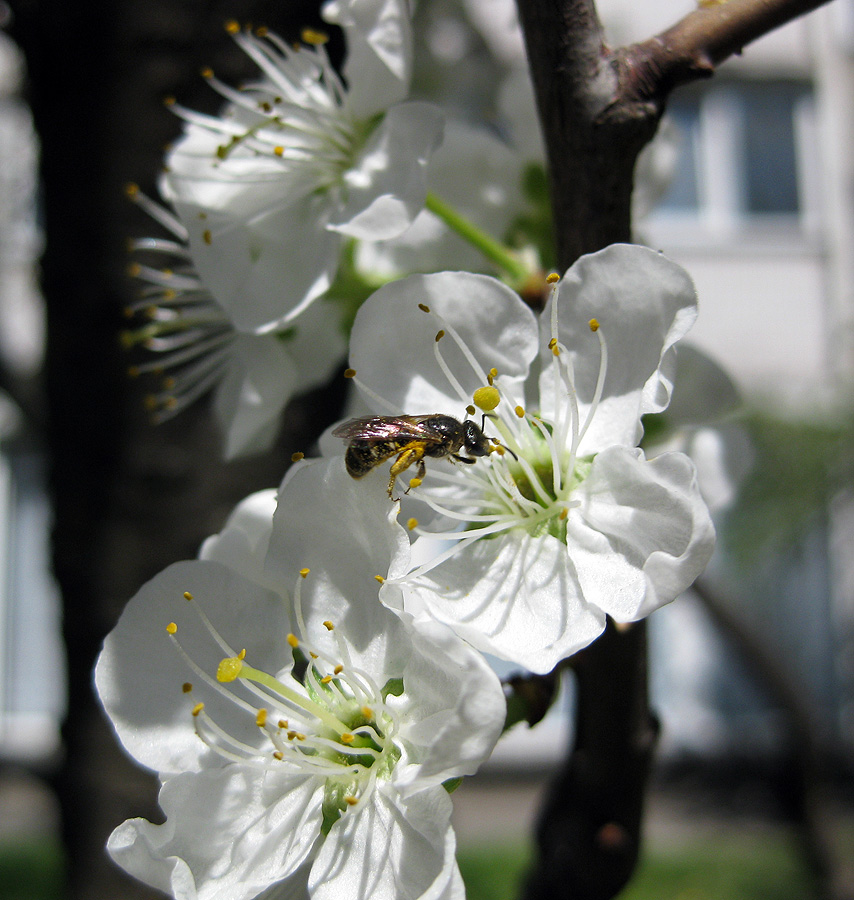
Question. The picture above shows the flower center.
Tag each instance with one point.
(321, 715)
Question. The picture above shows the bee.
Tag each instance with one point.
(373, 439)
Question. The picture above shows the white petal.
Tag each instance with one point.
(250, 398)
(385, 188)
(345, 534)
(642, 534)
(644, 303)
(702, 392)
(379, 51)
(515, 596)
(139, 674)
(227, 835)
(483, 179)
(453, 708)
(242, 543)
(393, 849)
(392, 343)
(263, 266)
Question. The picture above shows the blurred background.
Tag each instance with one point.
(750, 186)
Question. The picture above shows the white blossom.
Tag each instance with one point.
(299, 160)
(301, 730)
(193, 347)
(526, 552)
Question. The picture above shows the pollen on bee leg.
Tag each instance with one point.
(415, 482)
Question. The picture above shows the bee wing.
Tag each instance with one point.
(386, 428)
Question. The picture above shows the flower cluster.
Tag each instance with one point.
(310, 689)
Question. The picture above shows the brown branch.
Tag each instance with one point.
(693, 47)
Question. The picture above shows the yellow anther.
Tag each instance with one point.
(242, 654)
(556, 350)
(228, 669)
(326, 679)
(563, 513)
(304, 573)
(170, 403)
(188, 595)
(351, 801)
(150, 402)
(291, 735)
(293, 640)
(261, 717)
(379, 578)
(282, 723)
(296, 457)
(412, 524)
(338, 669)
(133, 371)
(186, 687)
(198, 708)
(262, 31)
(520, 411)
(171, 628)
(207, 72)
(424, 307)
(367, 712)
(552, 343)
(349, 373)
(594, 324)
(486, 398)
(279, 150)
(439, 335)
(169, 101)
(232, 27)
(493, 372)
(169, 383)
(415, 482)
(470, 410)
(202, 216)
(552, 278)
(300, 736)
(347, 738)
(134, 270)
(207, 237)
(328, 625)
(315, 38)
(132, 190)
(277, 754)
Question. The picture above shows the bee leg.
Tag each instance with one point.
(463, 459)
(410, 455)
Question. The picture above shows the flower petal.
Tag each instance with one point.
(642, 533)
(379, 51)
(516, 596)
(224, 837)
(644, 303)
(484, 178)
(264, 254)
(140, 674)
(385, 188)
(453, 707)
(395, 849)
(392, 343)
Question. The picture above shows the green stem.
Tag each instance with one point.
(493, 250)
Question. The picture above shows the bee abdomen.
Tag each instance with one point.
(361, 457)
